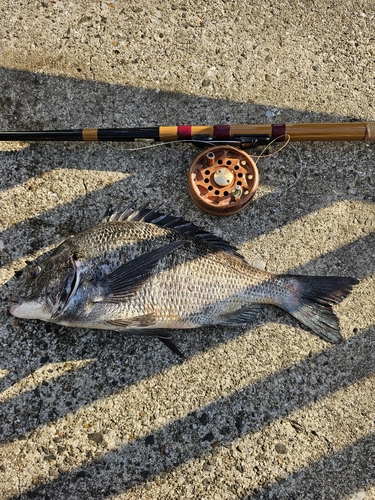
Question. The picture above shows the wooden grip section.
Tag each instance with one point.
(344, 131)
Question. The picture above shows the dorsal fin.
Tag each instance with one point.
(168, 221)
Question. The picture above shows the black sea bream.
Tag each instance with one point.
(147, 273)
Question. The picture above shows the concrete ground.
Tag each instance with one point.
(268, 411)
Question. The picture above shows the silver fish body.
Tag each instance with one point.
(148, 273)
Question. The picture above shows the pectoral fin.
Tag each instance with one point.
(124, 281)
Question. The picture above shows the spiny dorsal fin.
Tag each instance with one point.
(168, 221)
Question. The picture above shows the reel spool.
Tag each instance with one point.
(223, 180)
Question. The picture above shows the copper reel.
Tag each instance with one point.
(223, 180)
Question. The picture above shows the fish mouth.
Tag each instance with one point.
(16, 301)
(27, 309)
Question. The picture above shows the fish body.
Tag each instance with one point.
(148, 273)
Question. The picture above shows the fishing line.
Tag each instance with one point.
(287, 142)
(300, 170)
(261, 155)
(209, 143)
(167, 143)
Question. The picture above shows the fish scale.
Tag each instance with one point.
(147, 273)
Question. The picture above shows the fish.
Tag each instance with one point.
(150, 273)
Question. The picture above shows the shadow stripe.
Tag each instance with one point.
(264, 402)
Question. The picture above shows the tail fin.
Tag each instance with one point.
(313, 298)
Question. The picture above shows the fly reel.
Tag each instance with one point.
(223, 180)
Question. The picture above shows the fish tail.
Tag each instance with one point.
(311, 299)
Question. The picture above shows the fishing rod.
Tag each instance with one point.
(223, 178)
(247, 135)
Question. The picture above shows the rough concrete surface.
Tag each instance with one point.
(268, 411)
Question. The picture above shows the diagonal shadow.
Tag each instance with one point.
(263, 402)
(26, 96)
(327, 473)
(352, 256)
(61, 99)
(34, 234)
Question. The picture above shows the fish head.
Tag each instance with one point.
(47, 286)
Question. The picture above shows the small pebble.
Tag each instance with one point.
(281, 448)
(97, 437)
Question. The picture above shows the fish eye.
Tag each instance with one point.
(35, 271)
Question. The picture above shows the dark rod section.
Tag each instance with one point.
(128, 134)
(43, 135)
(124, 134)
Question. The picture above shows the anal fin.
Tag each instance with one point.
(241, 316)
